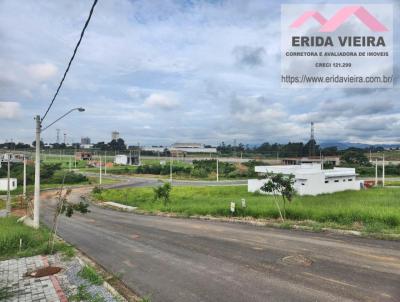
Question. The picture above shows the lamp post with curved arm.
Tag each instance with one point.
(39, 130)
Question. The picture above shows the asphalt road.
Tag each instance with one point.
(135, 181)
(191, 260)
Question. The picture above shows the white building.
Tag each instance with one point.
(132, 159)
(310, 179)
(86, 146)
(3, 184)
(191, 148)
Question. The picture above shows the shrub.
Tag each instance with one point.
(162, 192)
(70, 178)
(90, 274)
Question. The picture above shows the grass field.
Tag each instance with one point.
(389, 155)
(373, 210)
(34, 242)
(92, 181)
(392, 183)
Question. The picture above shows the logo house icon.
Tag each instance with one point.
(341, 17)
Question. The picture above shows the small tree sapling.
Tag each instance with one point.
(279, 184)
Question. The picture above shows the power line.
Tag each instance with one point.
(72, 58)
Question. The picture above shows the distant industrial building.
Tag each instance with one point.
(180, 149)
(12, 157)
(131, 159)
(191, 148)
(83, 156)
(310, 179)
(330, 160)
(114, 135)
(85, 141)
(153, 149)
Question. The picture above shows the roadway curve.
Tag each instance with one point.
(192, 260)
(126, 181)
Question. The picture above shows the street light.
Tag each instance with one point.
(39, 130)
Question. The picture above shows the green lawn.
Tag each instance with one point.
(34, 242)
(373, 210)
(392, 183)
(92, 181)
(29, 188)
(389, 155)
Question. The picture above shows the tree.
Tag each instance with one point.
(279, 184)
(41, 144)
(101, 145)
(118, 144)
(355, 157)
(64, 206)
(162, 192)
(330, 151)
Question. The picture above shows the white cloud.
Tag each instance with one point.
(161, 101)
(141, 58)
(42, 72)
(10, 110)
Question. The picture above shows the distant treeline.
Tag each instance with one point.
(49, 173)
(291, 149)
(295, 149)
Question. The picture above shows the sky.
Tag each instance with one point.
(165, 71)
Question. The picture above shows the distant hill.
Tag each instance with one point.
(345, 145)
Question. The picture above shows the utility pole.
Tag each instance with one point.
(24, 188)
(170, 169)
(105, 162)
(70, 164)
(36, 198)
(8, 206)
(100, 178)
(376, 172)
(75, 157)
(320, 159)
(217, 170)
(383, 170)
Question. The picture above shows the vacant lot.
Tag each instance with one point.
(19, 240)
(373, 210)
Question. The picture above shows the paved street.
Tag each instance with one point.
(192, 260)
(127, 181)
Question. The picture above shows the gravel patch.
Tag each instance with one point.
(72, 281)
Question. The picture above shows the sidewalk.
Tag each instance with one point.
(15, 287)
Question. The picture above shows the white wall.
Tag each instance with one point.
(121, 160)
(314, 184)
(3, 184)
